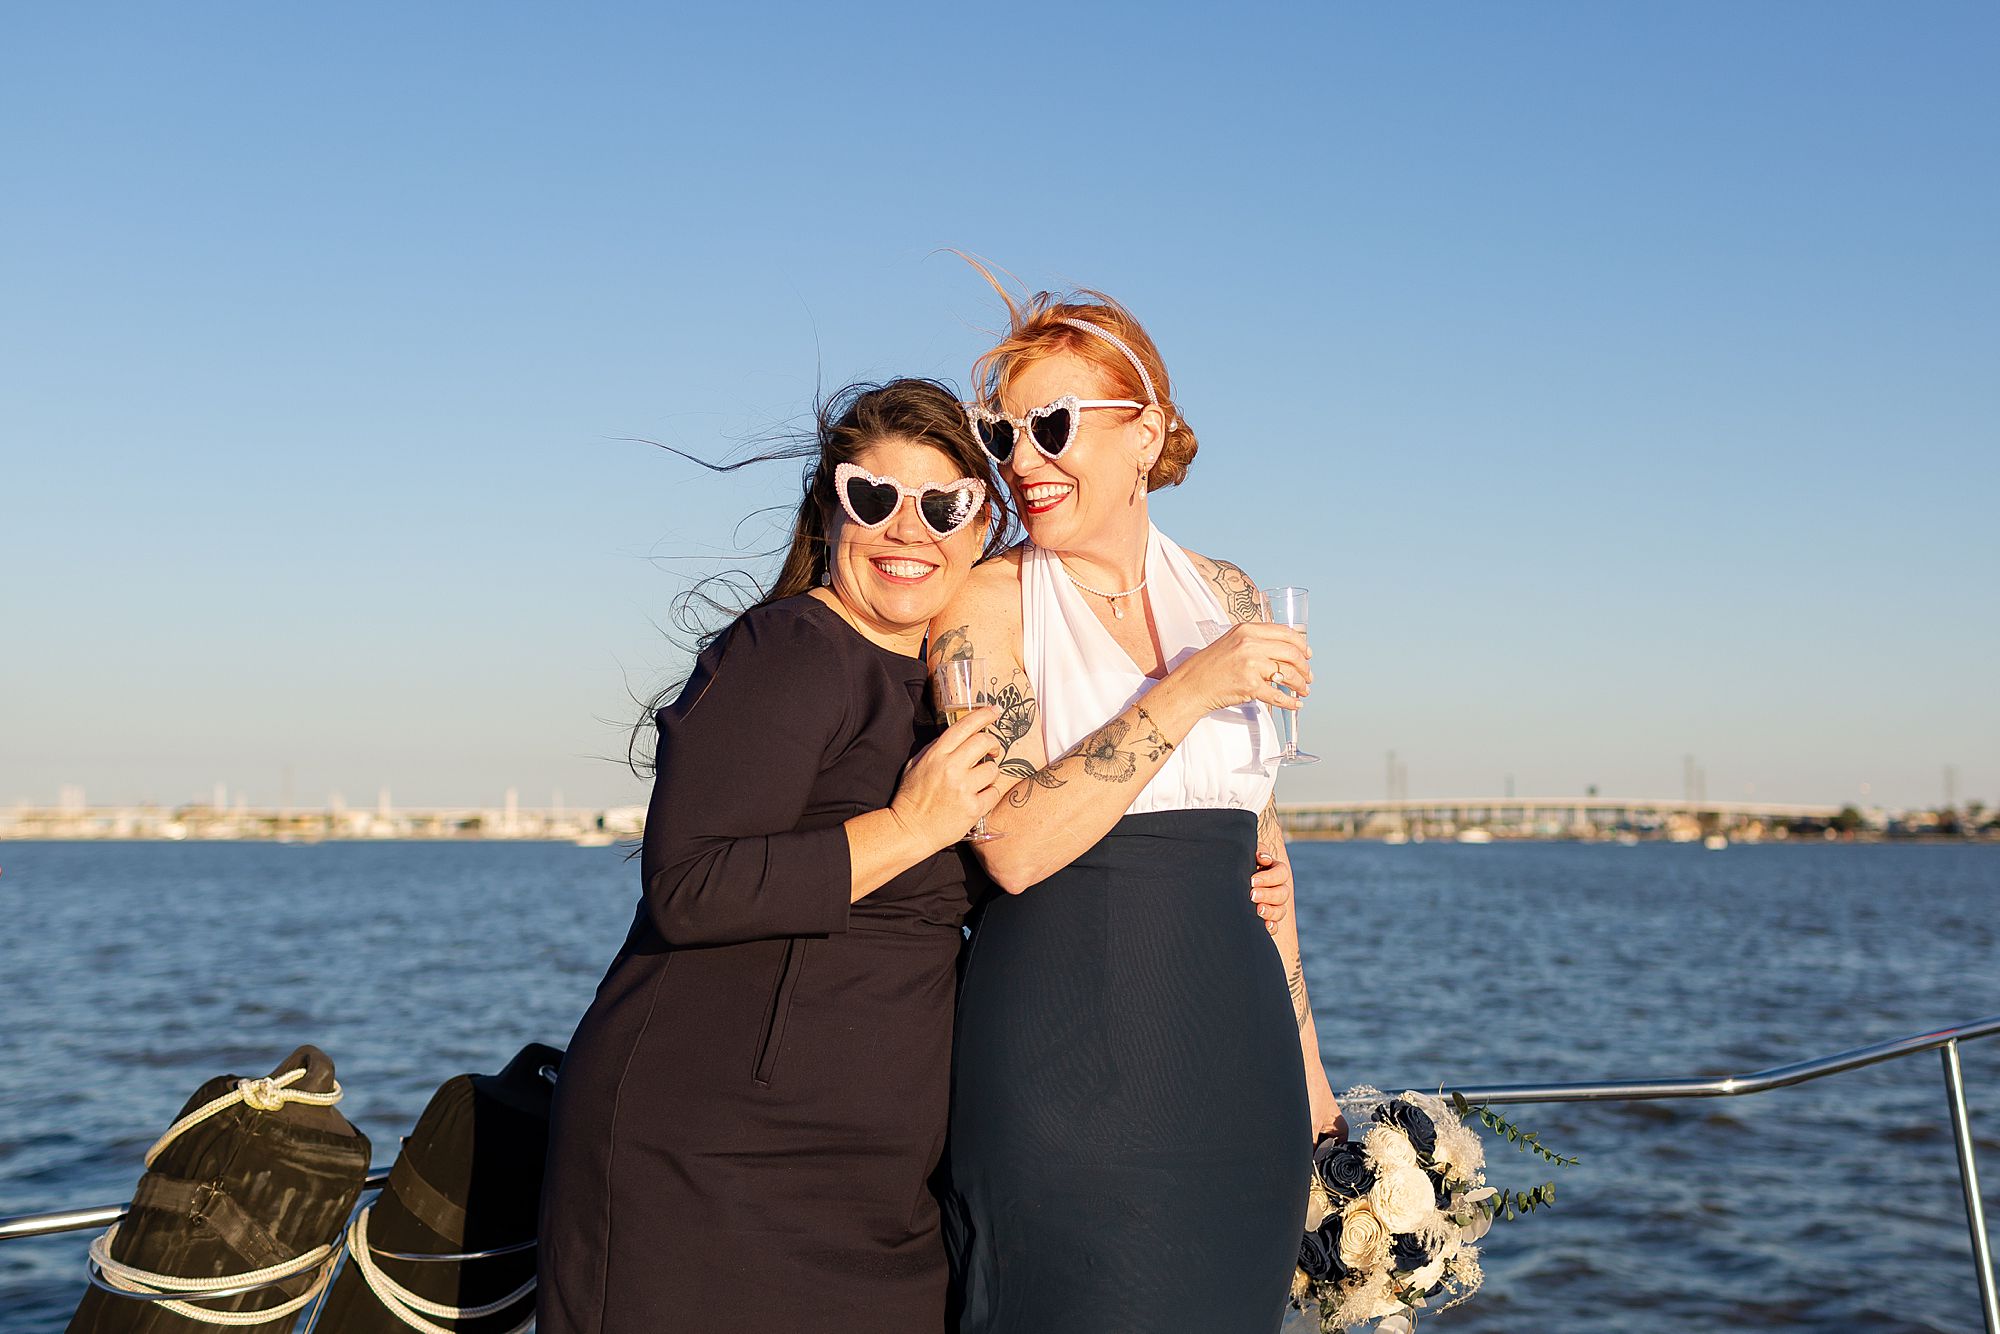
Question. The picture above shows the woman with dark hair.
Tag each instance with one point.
(1132, 1115)
(750, 1111)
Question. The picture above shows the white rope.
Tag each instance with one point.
(262, 1095)
(410, 1308)
(133, 1279)
(266, 1094)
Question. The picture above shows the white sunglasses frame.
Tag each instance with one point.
(1024, 425)
(846, 472)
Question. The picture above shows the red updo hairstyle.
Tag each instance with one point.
(1036, 330)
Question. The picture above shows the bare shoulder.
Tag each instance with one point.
(1234, 588)
(984, 619)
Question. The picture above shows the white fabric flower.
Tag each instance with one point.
(1376, 1299)
(1364, 1240)
(1460, 1151)
(1427, 1278)
(1318, 1205)
(1403, 1198)
(1388, 1148)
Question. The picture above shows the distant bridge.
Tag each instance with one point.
(1543, 816)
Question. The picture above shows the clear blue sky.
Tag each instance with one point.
(1619, 377)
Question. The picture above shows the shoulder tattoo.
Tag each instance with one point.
(1236, 589)
(953, 645)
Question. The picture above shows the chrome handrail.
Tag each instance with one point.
(77, 1220)
(426, 1257)
(1727, 1086)
(1944, 1041)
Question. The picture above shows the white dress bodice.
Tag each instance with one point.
(1082, 679)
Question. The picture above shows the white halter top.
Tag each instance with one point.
(1083, 679)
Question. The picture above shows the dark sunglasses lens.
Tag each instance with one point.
(997, 439)
(871, 502)
(1052, 431)
(945, 512)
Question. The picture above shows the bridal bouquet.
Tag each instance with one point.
(1395, 1215)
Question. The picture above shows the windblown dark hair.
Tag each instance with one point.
(845, 423)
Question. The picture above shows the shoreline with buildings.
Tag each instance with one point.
(1463, 820)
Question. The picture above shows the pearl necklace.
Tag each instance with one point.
(1112, 598)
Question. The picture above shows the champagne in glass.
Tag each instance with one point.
(1288, 607)
(961, 687)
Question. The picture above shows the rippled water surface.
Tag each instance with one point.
(131, 972)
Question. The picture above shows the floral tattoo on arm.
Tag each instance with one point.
(1016, 720)
(1110, 755)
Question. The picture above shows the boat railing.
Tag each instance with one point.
(1944, 1041)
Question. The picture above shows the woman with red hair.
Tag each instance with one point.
(1135, 1094)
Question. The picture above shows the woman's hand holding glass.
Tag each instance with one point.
(1239, 667)
(952, 782)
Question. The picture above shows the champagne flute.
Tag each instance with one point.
(961, 687)
(1287, 606)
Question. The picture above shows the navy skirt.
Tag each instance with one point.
(1130, 1142)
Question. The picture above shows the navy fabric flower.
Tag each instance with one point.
(1343, 1169)
(1413, 1121)
(1319, 1252)
(1408, 1253)
(1316, 1257)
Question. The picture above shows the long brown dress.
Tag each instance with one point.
(750, 1110)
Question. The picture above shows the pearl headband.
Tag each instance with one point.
(1131, 356)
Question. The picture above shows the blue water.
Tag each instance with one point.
(131, 972)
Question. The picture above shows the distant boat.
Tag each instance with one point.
(596, 838)
(1395, 838)
(1715, 843)
(1475, 836)
(1628, 840)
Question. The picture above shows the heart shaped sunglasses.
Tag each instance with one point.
(872, 501)
(1052, 426)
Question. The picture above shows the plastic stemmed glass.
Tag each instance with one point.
(961, 686)
(1287, 606)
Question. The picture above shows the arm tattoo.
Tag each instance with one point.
(1152, 741)
(1271, 839)
(1270, 834)
(952, 645)
(1016, 720)
(1295, 978)
(1102, 759)
(1104, 753)
(1238, 592)
(1108, 758)
(1037, 778)
(1016, 705)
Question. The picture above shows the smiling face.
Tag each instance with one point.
(892, 580)
(1066, 502)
